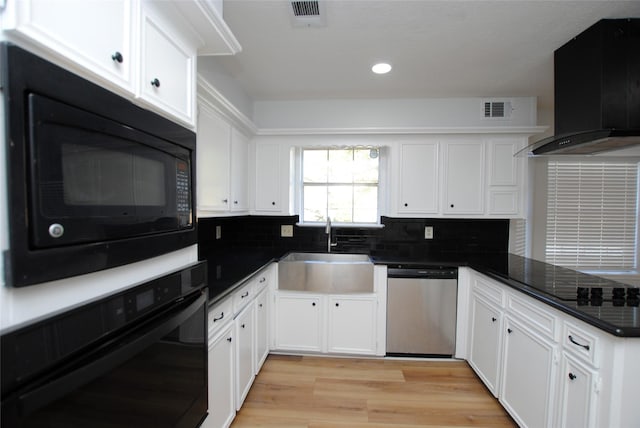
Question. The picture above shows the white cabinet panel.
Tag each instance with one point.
(463, 169)
(213, 161)
(418, 178)
(245, 351)
(97, 35)
(528, 377)
(506, 176)
(352, 322)
(239, 170)
(577, 397)
(268, 168)
(486, 341)
(221, 392)
(299, 322)
(262, 329)
(167, 73)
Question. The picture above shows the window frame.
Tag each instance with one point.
(298, 185)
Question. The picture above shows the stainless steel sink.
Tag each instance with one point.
(326, 273)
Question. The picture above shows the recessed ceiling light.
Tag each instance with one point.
(381, 68)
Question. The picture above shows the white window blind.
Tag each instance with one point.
(592, 214)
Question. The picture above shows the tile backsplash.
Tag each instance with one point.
(400, 236)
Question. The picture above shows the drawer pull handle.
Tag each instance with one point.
(244, 295)
(579, 344)
(219, 318)
(263, 279)
(572, 376)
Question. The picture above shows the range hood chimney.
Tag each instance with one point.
(597, 91)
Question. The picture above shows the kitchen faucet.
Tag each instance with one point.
(327, 230)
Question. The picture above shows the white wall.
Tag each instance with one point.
(210, 70)
(379, 114)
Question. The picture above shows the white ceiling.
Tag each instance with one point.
(437, 48)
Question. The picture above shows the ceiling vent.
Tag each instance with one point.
(307, 14)
(497, 109)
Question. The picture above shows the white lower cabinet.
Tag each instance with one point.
(245, 346)
(351, 325)
(486, 341)
(527, 378)
(344, 324)
(262, 329)
(221, 358)
(577, 394)
(298, 322)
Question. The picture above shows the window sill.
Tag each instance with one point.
(344, 225)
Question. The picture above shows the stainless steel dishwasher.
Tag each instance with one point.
(421, 310)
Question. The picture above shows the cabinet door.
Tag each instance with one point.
(527, 379)
(298, 322)
(352, 325)
(239, 169)
(262, 328)
(167, 68)
(418, 172)
(213, 161)
(221, 380)
(505, 177)
(577, 394)
(94, 34)
(245, 349)
(463, 164)
(267, 183)
(485, 341)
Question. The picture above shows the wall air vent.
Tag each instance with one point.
(307, 13)
(497, 109)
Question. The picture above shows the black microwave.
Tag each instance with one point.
(94, 181)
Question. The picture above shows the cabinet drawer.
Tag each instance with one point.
(243, 296)
(489, 291)
(581, 343)
(219, 315)
(261, 281)
(534, 315)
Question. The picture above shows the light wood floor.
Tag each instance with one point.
(317, 392)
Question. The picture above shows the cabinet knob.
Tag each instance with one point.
(337, 304)
(235, 202)
(273, 203)
(225, 200)
(509, 331)
(242, 325)
(117, 57)
(572, 376)
(406, 204)
(451, 205)
(155, 82)
(260, 305)
(229, 339)
(313, 304)
(494, 319)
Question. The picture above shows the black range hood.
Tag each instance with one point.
(597, 91)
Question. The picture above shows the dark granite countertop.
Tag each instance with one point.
(553, 285)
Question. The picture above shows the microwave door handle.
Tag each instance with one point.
(84, 372)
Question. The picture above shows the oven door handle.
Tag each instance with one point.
(113, 353)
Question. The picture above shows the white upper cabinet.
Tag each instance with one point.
(97, 35)
(463, 177)
(506, 176)
(222, 163)
(418, 178)
(267, 184)
(167, 66)
(239, 165)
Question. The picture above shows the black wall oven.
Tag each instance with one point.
(134, 359)
(94, 181)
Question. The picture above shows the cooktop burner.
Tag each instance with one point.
(618, 296)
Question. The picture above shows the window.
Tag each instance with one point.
(592, 214)
(341, 184)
